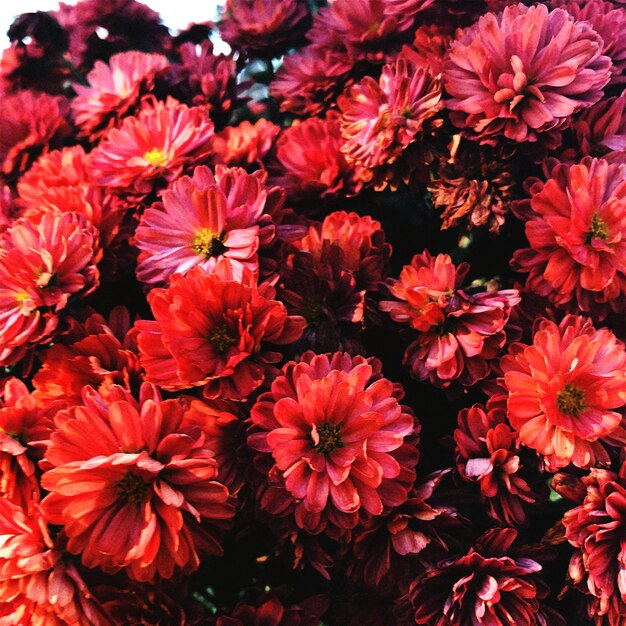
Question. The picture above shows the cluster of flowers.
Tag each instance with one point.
(225, 402)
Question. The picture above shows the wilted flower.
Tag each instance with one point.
(149, 502)
(341, 443)
(563, 391)
(576, 227)
(505, 86)
(114, 91)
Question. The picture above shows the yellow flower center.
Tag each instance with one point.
(208, 243)
(156, 158)
(599, 229)
(571, 400)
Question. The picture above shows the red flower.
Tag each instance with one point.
(204, 220)
(340, 441)
(147, 499)
(264, 27)
(563, 389)
(381, 119)
(483, 587)
(576, 227)
(312, 162)
(208, 332)
(41, 267)
(487, 452)
(32, 123)
(246, 144)
(459, 332)
(508, 86)
(114, 91)
(36, 586)
(95, 353)
(310, 79)
(597, 529)
(157, 145)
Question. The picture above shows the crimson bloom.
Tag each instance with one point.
(203, 220)
(155, 146)
(340, 441)
(114, 91)
(459, 332)
(208, 332)
(576, 227)
(148, 501)
(506, 85)
(563, 391)
(381, 119)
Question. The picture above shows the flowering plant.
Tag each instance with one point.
(327, 329)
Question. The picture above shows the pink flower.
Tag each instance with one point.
(563, 391)
(340, 441)
(522, 73)
(114, 91)
(148, 502)
(576, 227)
(157, 145)
(203, 220)
(381, 119)
(208, 332)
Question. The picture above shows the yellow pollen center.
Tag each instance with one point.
(156, 158)
(571, 400)
(599, 229)
(208, 243)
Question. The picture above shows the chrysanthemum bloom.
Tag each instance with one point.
(25, 426)
(576, 227)
(114, 91)
(487, 453)
(361, 240)
(326, 295)
(35, 58)
(610, 23)
(100, 28)
(59, 181)
(95, 353)
(341, 443)
(37, 587)
(361, 27)
(155, 146)
(32, 123)
(310, 79)
(41, 267)
(597, 529)
(208, 332)
(483, 587)
(203, 220)
(148, 500)
(246, 144)
(381, 119)
(312, 164)
(264, 27)
(473, 188)
(601, 130)
(390, 550)
(429, 47)
(505, 86)
(563, 390)
(459, 332)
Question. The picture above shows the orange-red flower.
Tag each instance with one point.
(563, 391)
(341, 443)
(133, 485)
(246, 144)
(209, 332)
